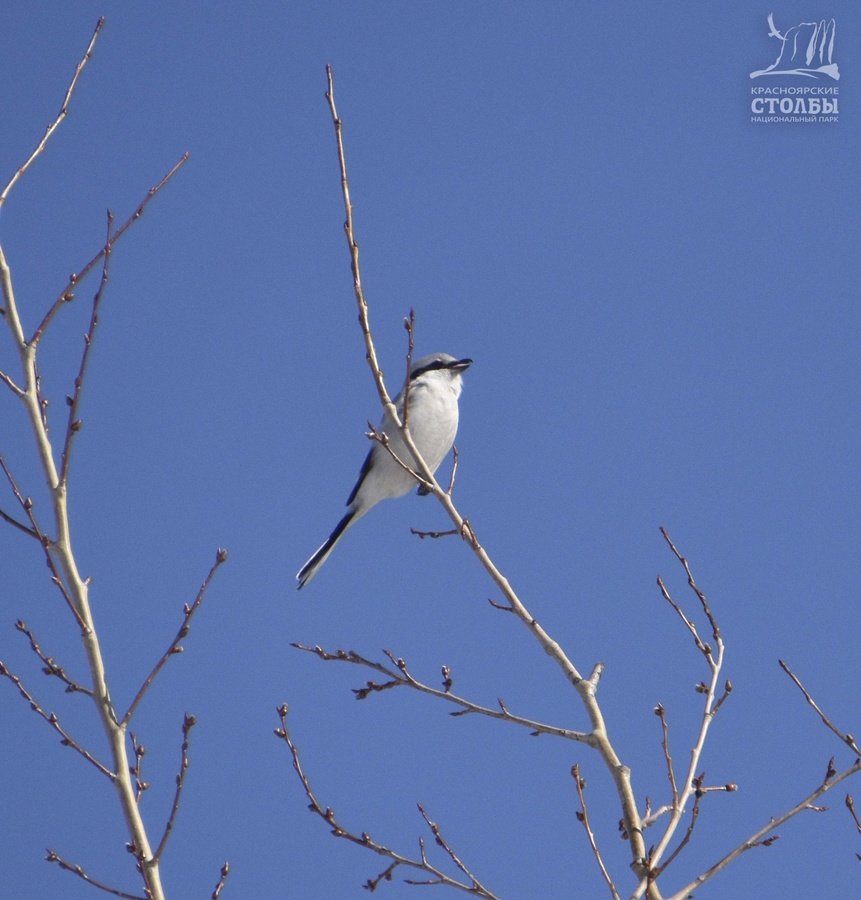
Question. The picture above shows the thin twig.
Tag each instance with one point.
(225, 871)
(386, 875)
(409, 325)
(175, 645)
(51, 667)
(477, 887)
(434, 534)
(850, 805)
(665, 743)
(846, 738)
(188, 723)
(18, 392)
(695, 811)
(691, 785)
(583, 818)
(16, 524)
(382, 438)
(365, 840)
(77, 870)
(693, 585)
(759, 839)
(64, 109)
(386, 401)
(27, 505)
(66, 295)
(58, 552)
(455, 457)
(139, 750)
(651, 816)
(74, 423)
(9, 312)
(51, 718)
(706, 651)
(401, 677)
(40, 399)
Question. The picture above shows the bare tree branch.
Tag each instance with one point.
(77, 870)
(16, 524)
(382, 438)
(176, 645)
(850, 805)
(713, 656)
(401, 677)
(434, 534)
(51, 666)
(364, 840)
(477, 887)
(759, 838)
(74, 423)
(687, 787)
(225, 871)
(18, 392)
(846, 738)
(58, 549)
(455, 458)
(139, 750)
(665, 743)
(583, 818)
(27, 505)
(67, 294)
(64, 109)
(187, 724)
(51, 718)
(698, 793)
(409, 325)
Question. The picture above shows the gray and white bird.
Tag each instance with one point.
(435, 384)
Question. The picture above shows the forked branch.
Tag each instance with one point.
(764, 837)
(689, 785)
(422, 864)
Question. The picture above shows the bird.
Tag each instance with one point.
(435, 383)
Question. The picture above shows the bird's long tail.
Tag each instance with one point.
(309, 570)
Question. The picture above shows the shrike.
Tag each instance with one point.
(435, 384)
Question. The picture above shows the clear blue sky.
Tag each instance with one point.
(661, 299)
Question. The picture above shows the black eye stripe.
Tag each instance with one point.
(430, 367)
(455, 365)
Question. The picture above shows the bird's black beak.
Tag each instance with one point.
(461, 365)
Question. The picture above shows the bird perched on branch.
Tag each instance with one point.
(435, 384)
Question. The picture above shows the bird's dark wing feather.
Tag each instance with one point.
(366, 467)
(307, 572)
